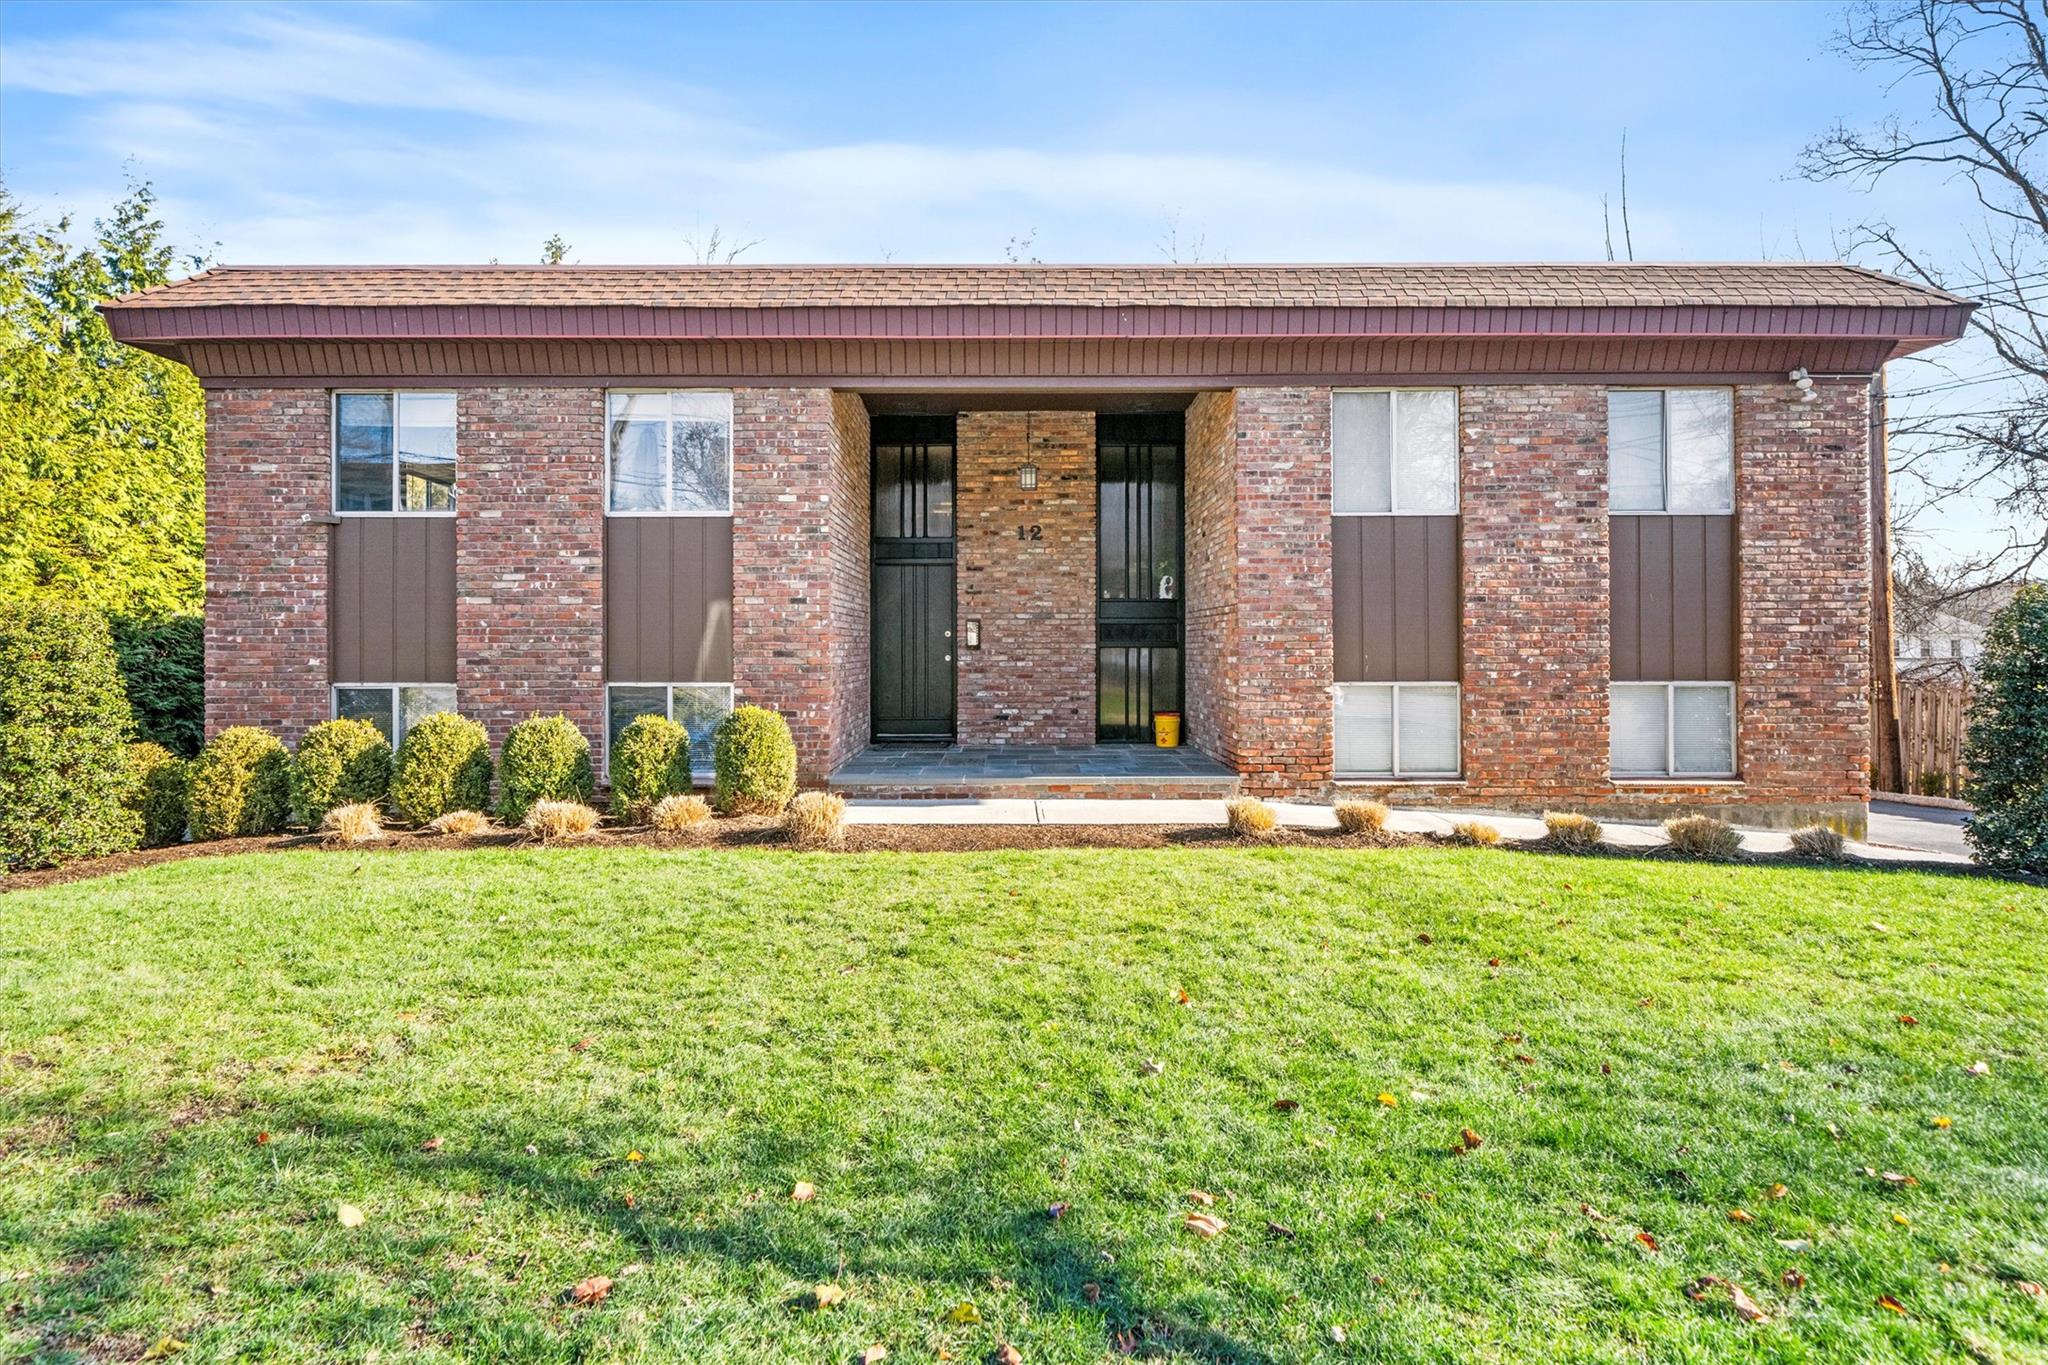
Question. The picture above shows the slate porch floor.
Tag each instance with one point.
(909, 765)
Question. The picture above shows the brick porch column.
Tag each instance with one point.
(529, 557)
(268, 492)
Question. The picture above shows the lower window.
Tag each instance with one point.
(1682, 729)
(697, 707)
(393, 708)
(1397, 730)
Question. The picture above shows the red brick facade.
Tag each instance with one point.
(268, 497)
(851, 656)
(529, 556)
(1210, 551)
(1032, 681)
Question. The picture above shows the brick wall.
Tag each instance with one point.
(851, 507)
(793, 618)
(1802, 478)
(268, 483)
(1032, 681)
(1210, 523)
(529, 557)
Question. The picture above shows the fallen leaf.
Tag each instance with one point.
(592, 1290)
(1286, 1106)
(874, 1355)
(1493, 962)
(1902, 1220)
(827, 1295)
(348, 1215)
(1647, 1240)
(1594, 1213)
(1424, 939)
(163, 1346)
(1887, 1301)
(1389, 1100)
(1795, 1244)
(581, 1045)
(803, 1192)
(1469, 1140)
(263, 1139)
(1893, 1178)
(1006, 1354)
(633, 1269)
(1525, 1059)
(1204, 1225)
(1092, 1292)
(2030, 1289)
(1908, 1020)
(1279, 1230)
(1337, 1333)
(1941, 1121)
(1977, 1069)
(432, 1144)
(1745, 1307)
(1202, 1197)
(1058, 1210)
(1776, 1192)
(962, 1314)
(1181, 998)
(1153, 1067)
(532, 1150)
(635, 1156)
(1740, 1216)
(1793, 1279)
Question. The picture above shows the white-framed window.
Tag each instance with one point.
(668, 452)
(1397, 730)
(1671, 450)
(394, 452)
(1394, 451)
(697, 707)
(393, 708)
(1674, 729)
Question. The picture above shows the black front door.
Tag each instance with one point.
(1138, 537)
(910, 609)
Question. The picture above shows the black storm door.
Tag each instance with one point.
(910, 609)
(1138, 462)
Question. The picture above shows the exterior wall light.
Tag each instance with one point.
(1027, 476)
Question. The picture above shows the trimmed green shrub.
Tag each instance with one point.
(754, 762)
(163, 666)
(2007, 747)
(546, 758)
(241, 784)
(63, 738)
(444, 764)
(158, 783)
(650, 761)
(339, 763)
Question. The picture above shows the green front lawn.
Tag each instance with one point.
(949, 1046)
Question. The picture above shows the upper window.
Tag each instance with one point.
(669, 452)
(394, 452)
(1671, 450)
(1394, 450)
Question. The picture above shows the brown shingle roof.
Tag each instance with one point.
(1596, 284)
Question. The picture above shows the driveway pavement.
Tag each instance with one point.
(1931, 829)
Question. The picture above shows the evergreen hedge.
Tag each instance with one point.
(444, 764)
(241, 784)
(755, 762)
(64, 724)
(546, 758)
(651, 760)
(339, 763)
(2007, 747)
(159, 791)
(163, 666)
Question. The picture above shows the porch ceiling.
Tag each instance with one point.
(896, 402)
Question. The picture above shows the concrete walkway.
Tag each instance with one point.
(1167, 812)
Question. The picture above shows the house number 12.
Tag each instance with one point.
(1031, 532)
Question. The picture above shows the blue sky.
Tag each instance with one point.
(430, 132)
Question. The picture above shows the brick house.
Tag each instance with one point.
(1592, 536)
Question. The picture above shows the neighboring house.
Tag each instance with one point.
(1527, 536)
(1940, 640)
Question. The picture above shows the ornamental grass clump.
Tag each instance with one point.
(1820, 843)
(1474, 834)
(549, 821)
(241, 785)
(339, 763)
(815, 819)
(754, 763)
(355, 823)
(1571, 831)
(459, 824)
(1250, 818)
(1361, 817)
(546, 758)
(158, 783)
(650, 761)
(64, 722)
(674, 814)
(1703, 836)
(443, 765)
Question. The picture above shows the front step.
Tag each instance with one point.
(1199, 788)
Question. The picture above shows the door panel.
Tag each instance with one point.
(1138, 619)
(910, 608)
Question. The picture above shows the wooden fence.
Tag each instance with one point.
(1932, 723)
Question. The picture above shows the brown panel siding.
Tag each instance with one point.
(1672, 598)
(668, 599)
(394, 600)
(1395, 598)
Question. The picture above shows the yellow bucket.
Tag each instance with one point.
(1166, 729)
